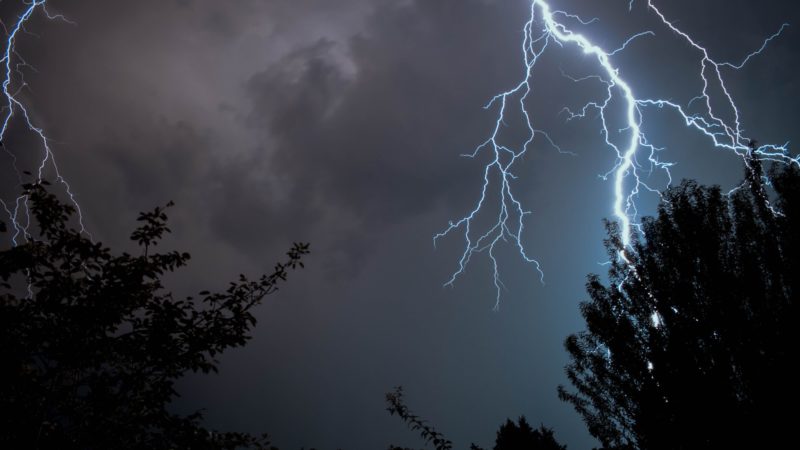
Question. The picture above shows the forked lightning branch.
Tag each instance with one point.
(634, 155)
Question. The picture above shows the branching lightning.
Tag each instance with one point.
(635, 155)
(13, 82)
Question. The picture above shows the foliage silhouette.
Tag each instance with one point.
(521, 436)
(397, 407)
(690, 346)
(92, 343)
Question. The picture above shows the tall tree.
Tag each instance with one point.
(92, 343)
(690, 344)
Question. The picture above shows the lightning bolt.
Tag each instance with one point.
(13, 82)
(635, 157)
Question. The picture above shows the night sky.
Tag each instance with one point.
(340, 123)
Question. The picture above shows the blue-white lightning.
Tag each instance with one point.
(13, 82)
(635, 155)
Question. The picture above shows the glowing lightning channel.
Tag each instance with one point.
(13, 82)
(627, 181)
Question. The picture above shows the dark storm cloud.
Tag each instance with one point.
(373, 145)
(149, 97)
(330, 136)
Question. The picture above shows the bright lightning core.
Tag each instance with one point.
(634, 157)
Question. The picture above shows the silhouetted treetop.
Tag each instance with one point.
(521, 436)
(689, 345)
(92, 342)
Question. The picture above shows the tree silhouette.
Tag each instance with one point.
(690, 344)
(521, 436)
(91, 342)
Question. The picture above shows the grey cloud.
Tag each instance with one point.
(377, 146)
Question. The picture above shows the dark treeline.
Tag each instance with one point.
(688, 344)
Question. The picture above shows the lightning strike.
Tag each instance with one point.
(13, 82)
(635, 155)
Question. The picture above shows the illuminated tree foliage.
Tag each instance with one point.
(692, 345)
(92, 344)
